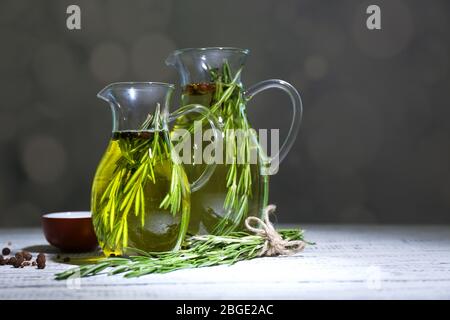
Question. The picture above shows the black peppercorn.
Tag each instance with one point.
(40, 261)
(19, 260)
(22, 259)
(27, 256)
(12, 261)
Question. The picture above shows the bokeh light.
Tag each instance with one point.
(316, 67)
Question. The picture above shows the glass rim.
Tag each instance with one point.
(140, 84)
(184, 50)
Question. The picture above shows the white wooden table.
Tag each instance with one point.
(348, 262)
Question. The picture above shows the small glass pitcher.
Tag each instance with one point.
(237, 189)
(140, 194)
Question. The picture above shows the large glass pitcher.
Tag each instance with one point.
(237, 189)
(140, 194)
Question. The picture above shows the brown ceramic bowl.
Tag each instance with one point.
(70, 231)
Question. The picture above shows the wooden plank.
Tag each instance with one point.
(348, 262)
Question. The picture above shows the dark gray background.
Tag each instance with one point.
(374, 143)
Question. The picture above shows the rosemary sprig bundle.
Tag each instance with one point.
(197, 252)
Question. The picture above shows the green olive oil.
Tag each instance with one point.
(140, 197)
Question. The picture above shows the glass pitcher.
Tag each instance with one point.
(140, 194)
(237, 189)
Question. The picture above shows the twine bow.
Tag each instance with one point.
(274, 244)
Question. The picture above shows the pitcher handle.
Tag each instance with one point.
(208, 115)
(297, 110)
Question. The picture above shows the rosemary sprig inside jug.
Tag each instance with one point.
(227, 103)
(138, 159)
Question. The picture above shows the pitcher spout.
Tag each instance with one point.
(171, 60)
(132, 102)
(105, 93)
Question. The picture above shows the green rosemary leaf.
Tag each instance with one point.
(138, 173)
(125, 232)
(112, 212)
(214, 74)
(146, 124)
(119, 269)
(225, 96)
(118, 235)
(243, 209)
(93, 269)
(138, 251)
(151, 175)
(106, 193)
(142, 206)
(137, 201)
(165, 203)
(231, 175)
(226, 72)
(128, 202)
